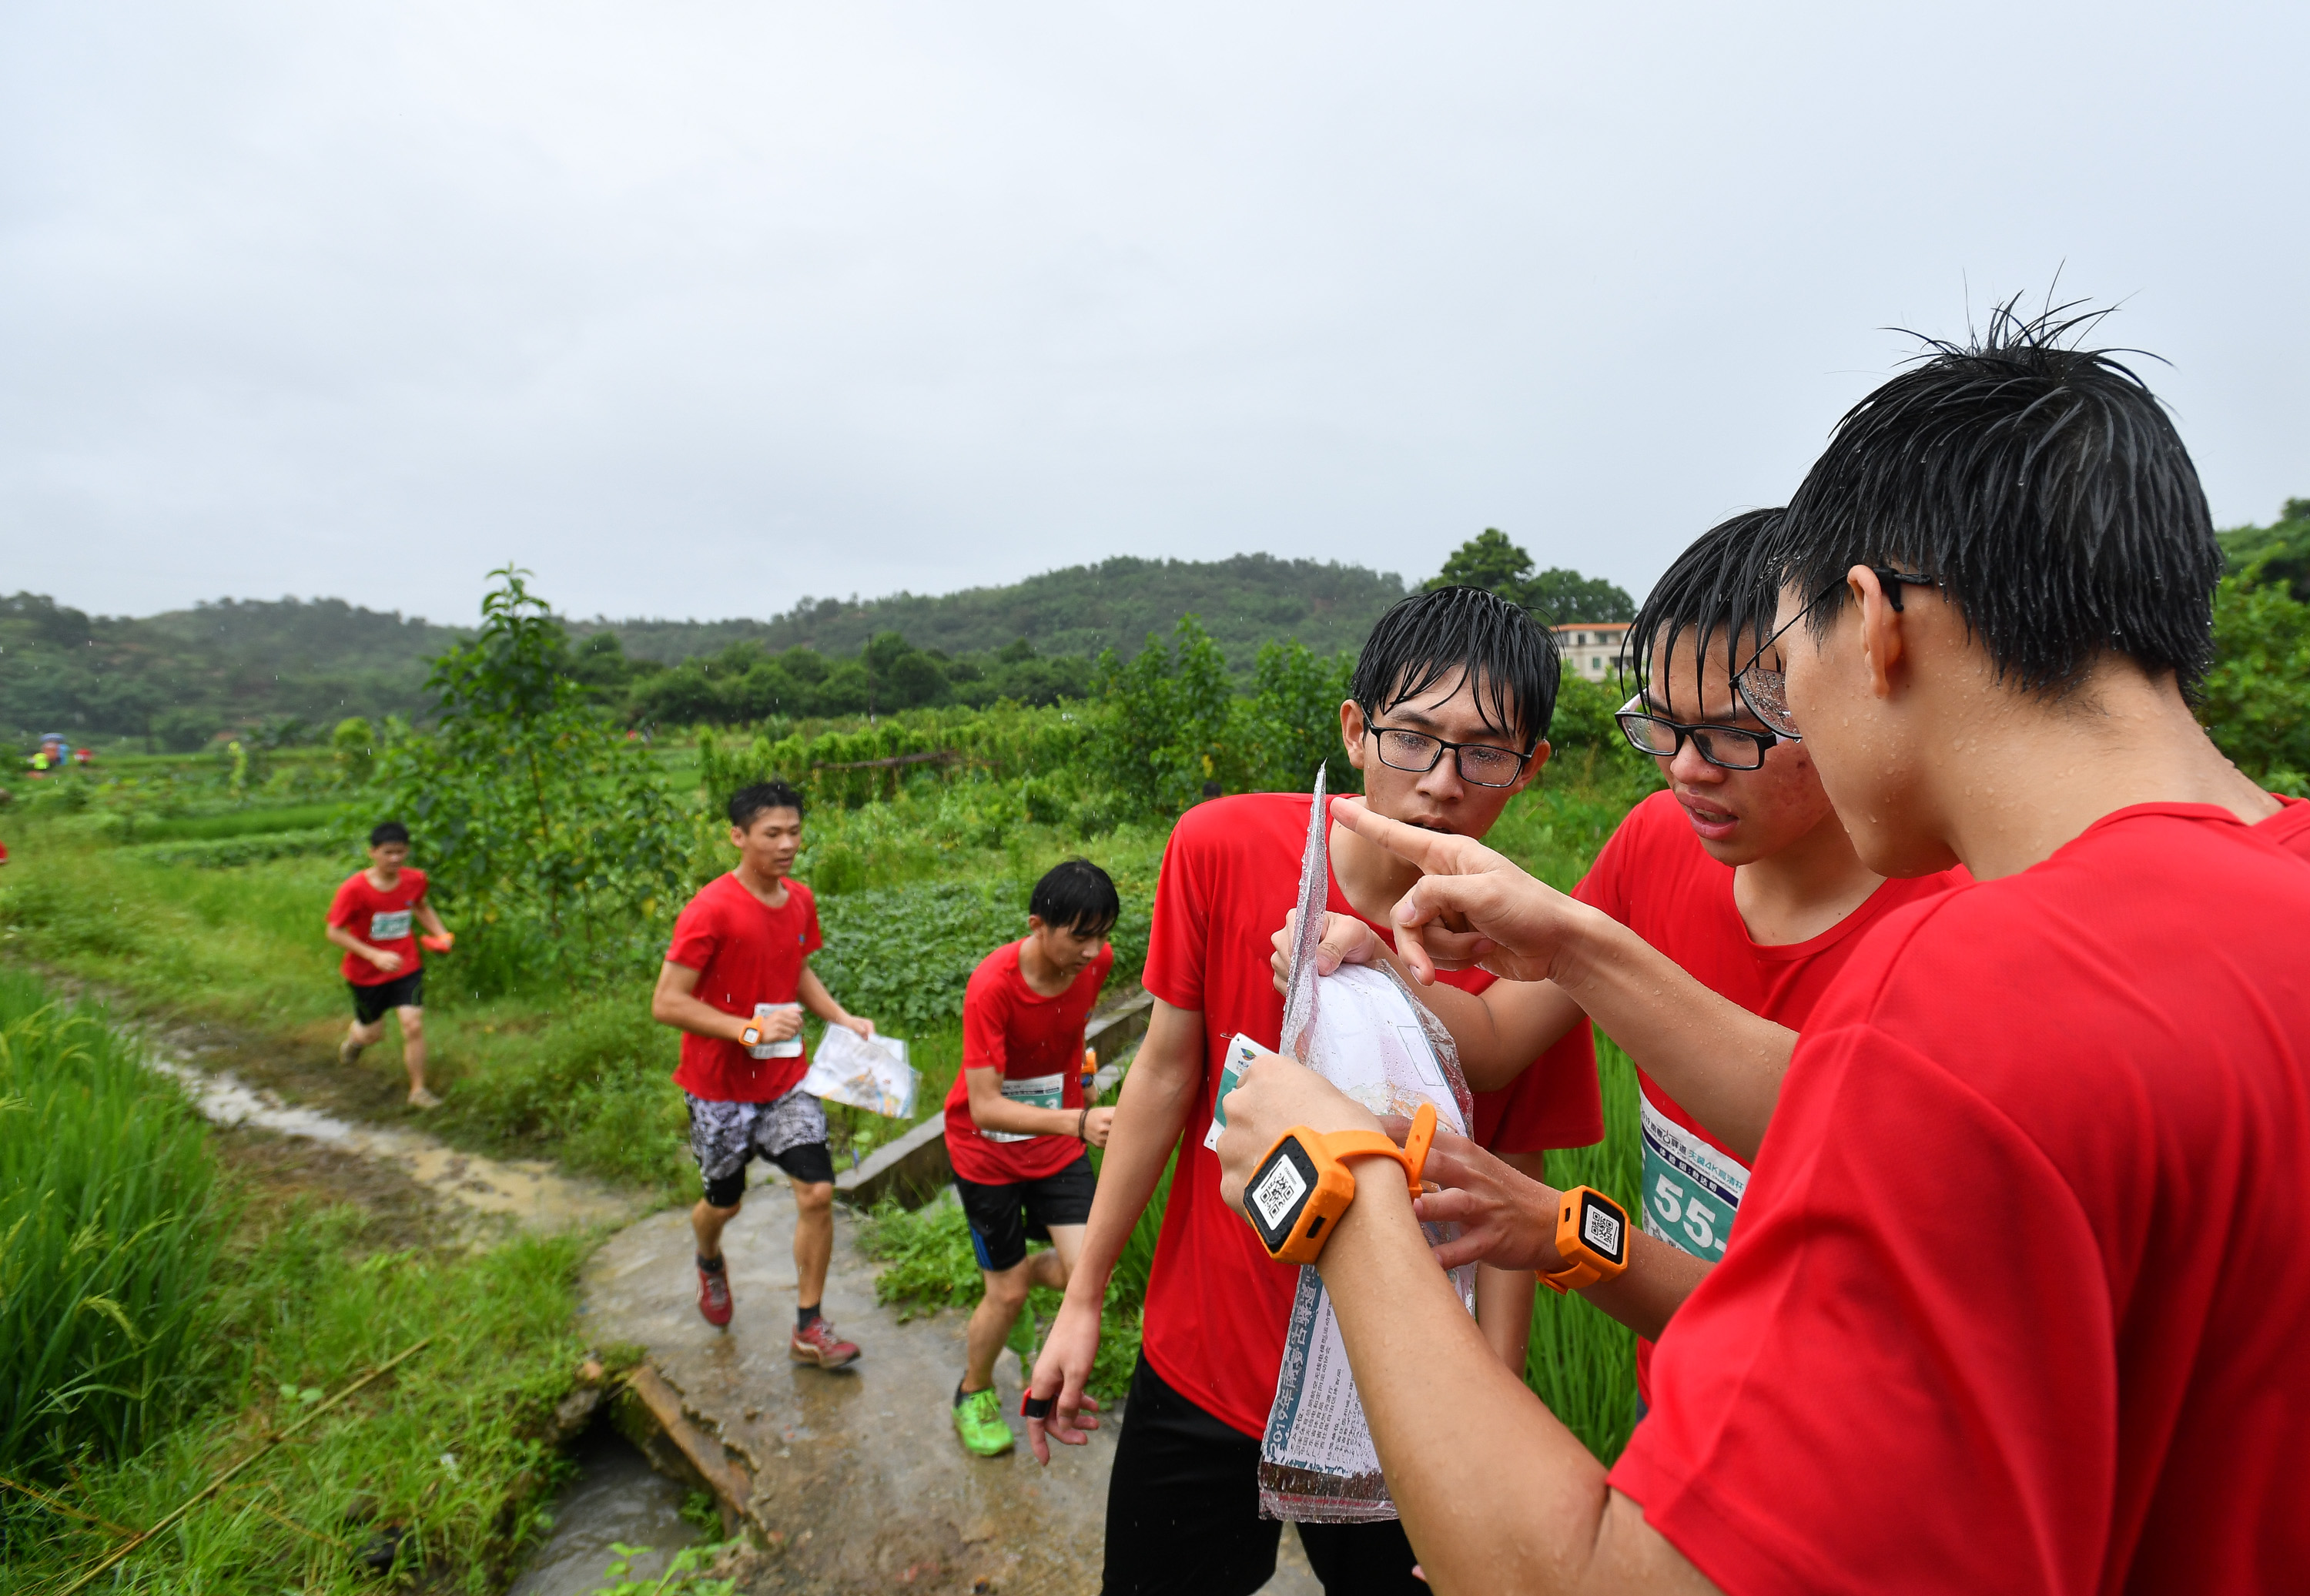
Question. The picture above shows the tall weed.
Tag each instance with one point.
(111, 1224)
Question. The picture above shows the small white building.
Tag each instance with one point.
(1593, 650)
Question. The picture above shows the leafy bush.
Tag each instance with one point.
(905, 954)
(2256, 703)
(1169, 723)
(542, 825)
(110, 1225)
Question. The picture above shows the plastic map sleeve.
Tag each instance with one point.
(1365, 1031)
(869, 1073)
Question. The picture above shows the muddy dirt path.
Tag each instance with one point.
(529, 1192)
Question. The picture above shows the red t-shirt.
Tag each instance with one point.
(1216, 1304)
(1655, 878)
(2289, 828)
(385, 921)
(744, 953)
(1037, 1044)
(2017, 1295)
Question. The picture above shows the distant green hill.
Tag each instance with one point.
(292, 668)
(1242, 603)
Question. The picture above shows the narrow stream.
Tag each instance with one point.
(617, 1497)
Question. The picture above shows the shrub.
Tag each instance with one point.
(2256, 703)
(109, 1230)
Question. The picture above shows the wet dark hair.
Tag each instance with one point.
(1721, 590)
(386, 831)
(2043, 485)
(747, 802)
(1076, 896)
(1463, 634)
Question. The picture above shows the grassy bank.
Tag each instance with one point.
(187, 1325)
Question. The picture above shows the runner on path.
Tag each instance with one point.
(370, 919)
(1451, 702)
(1017, 1123)
(735, 983)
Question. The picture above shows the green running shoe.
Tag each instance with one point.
(978, 1420)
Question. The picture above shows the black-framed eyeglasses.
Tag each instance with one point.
(1728, 748)
(1481, 763)
(1765, 691)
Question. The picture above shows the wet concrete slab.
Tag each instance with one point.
(857, 1479)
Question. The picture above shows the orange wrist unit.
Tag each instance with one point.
(1294, 1198)
(1591, 1237)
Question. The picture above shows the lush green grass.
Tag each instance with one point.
(228, 1321)
(237, 822)
(110, 1221)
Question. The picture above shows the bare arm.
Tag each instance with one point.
(1722, 1063)
(990, 1110)
(431, 921)
(1158, 1094)
(675, 1002)
(1496, 1495)
(343, 938)
(814, 997)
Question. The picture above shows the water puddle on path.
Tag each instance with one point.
(529, 1192)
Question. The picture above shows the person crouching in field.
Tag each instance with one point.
(370, 919)
(734, 983)
(1017, 1123)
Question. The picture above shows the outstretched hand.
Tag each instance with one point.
(1471, 906)
(1506, 1218)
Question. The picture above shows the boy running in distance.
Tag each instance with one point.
(735, 983)
(369, 918)
(1450, 704)
(2004, 1308)
(1719, 911)
(1017, 1124)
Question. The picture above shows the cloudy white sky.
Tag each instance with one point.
(697, 307)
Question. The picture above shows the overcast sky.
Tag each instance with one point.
(696, 308)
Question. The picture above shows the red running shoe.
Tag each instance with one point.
(817, 1343)
(714, 1295)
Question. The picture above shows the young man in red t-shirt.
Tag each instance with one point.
(1017, 1123)
(1735, 893)
(370, 919)
(735, 983)
(1451, 701)
(2012, 1300)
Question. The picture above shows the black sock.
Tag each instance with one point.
(806, 1317)
(712, 1266)
(959, 1393)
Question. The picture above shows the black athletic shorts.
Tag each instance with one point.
(1003, 1217)
(1182, 1512)
(372, 1003)
(789, 1131)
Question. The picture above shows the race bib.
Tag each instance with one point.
(1036, 1091)
(1691, 1190)
(388, 925)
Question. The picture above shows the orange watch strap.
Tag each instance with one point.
(1375, 1144)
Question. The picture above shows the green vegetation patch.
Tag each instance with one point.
(158, 1327)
